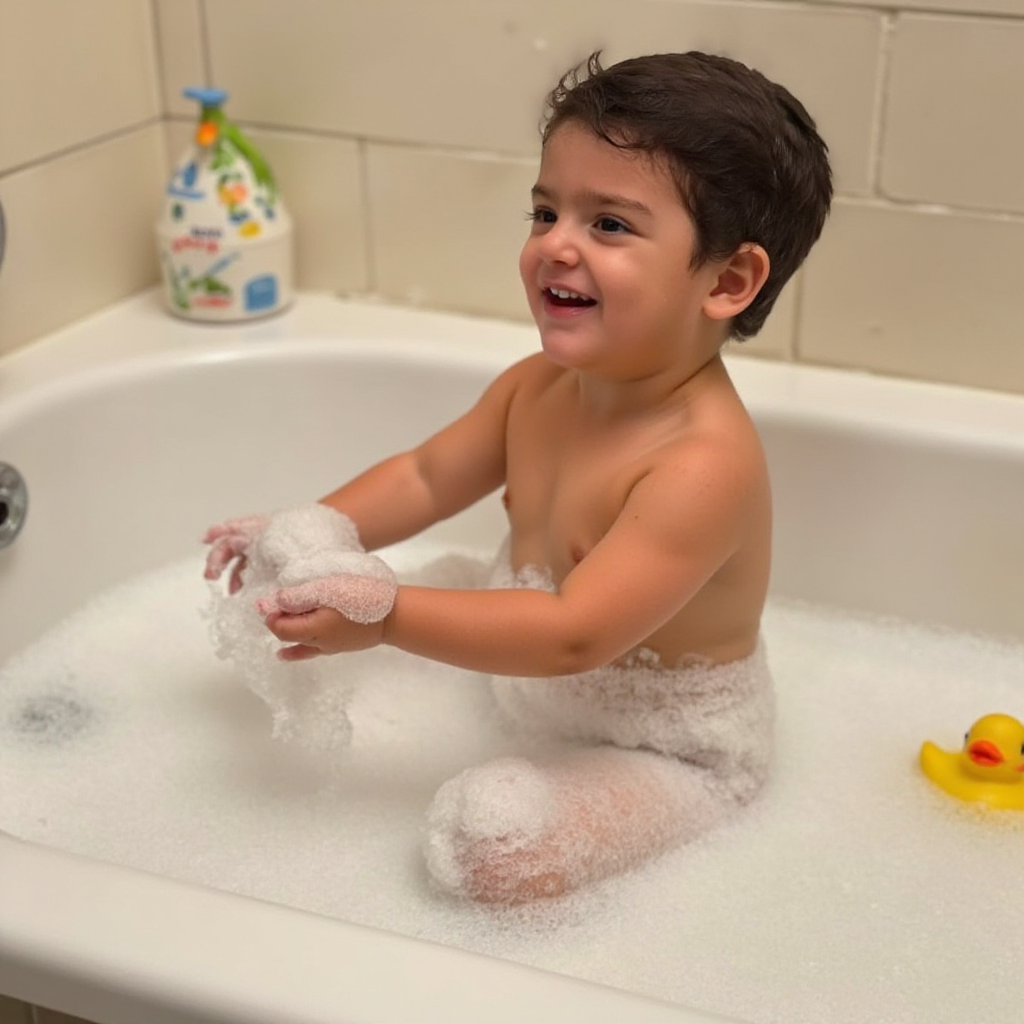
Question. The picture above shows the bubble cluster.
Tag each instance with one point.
(306, 548)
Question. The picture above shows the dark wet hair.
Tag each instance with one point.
(747, 159)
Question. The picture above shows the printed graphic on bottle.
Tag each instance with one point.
(199, 288)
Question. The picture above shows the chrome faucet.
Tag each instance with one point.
(13, 503)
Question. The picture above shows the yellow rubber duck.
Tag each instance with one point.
(990, 767)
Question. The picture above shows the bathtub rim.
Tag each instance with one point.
(785, 392)
(65, 955)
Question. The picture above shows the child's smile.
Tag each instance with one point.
(564, 301)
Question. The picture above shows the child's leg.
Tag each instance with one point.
(511, 830)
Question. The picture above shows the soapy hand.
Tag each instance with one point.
(230, 542)
(331, 615)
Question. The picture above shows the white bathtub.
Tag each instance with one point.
(134, 432)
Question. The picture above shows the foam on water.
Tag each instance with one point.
(852, 891)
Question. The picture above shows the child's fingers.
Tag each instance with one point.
(217, 559)
(247, 526)
(235, 584)
(298, 652)
(361, 599)
(292, 600)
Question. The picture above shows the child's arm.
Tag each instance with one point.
(404, 494)
(679, 526)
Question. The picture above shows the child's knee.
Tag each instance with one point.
(484, 826)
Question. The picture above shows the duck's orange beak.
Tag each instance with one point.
(985, 753)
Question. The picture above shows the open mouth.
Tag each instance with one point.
(986, 754)
(567, 299)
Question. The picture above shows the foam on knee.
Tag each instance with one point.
(506, 805)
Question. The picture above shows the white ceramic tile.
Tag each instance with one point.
(179, 42)
(79, 233)
(71, 72)
(472, 74)
(320, 180)
(918, 294)
(954, 121)
(447, 228)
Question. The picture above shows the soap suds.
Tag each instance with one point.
(851, 890)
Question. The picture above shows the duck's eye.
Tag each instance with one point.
(967, 736)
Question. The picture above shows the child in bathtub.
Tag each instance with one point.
(677, 194)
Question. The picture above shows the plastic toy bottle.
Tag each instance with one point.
(225, 238)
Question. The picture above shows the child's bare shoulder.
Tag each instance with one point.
(714, 438)
(530, 377)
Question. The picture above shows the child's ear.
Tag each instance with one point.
(739, 281)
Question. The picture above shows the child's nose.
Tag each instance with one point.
(560, 245)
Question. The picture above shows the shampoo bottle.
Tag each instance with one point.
(224, 237)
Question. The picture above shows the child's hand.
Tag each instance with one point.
(230, 541)
(328, 616)
(321, 631)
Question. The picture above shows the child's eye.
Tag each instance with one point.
(541, 216)
(611, 226)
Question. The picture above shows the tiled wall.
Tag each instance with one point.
(404, 135)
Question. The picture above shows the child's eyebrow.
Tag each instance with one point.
(595, 199)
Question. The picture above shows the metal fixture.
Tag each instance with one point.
(13, 503)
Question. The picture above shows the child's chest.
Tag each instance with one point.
(565, 487)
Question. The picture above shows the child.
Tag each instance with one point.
(677, 194)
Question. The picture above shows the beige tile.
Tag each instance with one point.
(71, 72)
(474, 75)
(179, 42)
(13, 1011)
(954, 128)
(446, 228)
(919, 294)
(79, 233)
(775, 339)
(178, 141)
(957, 6)
(321, 182)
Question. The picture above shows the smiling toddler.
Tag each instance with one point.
(677, 194)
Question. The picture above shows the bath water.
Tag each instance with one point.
(852, 891)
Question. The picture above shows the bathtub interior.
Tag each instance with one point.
(127, 467)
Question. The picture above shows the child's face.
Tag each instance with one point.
(610, 228)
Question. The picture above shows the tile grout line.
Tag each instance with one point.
(369, 247)
(204, 42)
(879, 119)
(76, 147)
